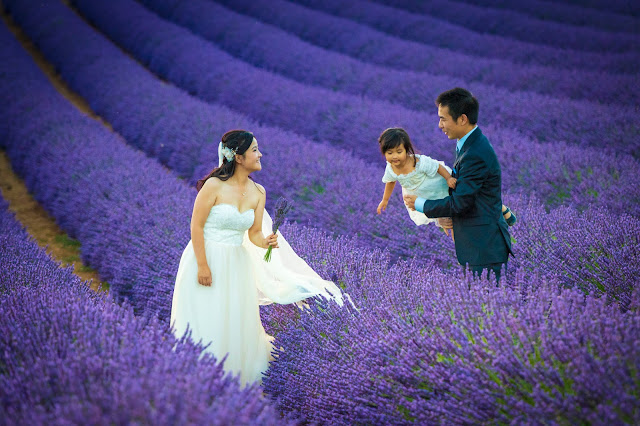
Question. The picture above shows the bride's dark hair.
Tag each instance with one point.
(237, 140)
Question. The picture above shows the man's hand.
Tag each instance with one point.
(445, 222)
(410, 201)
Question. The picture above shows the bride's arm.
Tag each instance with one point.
(201, 207)
(255, 232)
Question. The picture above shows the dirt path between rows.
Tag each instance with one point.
(41, 226)
(28, 211)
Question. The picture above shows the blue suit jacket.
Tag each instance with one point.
(475, 205)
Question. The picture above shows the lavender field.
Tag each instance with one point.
(558, 342)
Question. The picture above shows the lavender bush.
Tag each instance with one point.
(565, 47)
(566, 13)
(521, 26)
(438, 348)
(369, 45)
(72, 355)
(246, 38)
(129, 213)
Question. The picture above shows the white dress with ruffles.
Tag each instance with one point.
(424, 182)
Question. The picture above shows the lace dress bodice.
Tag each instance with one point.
(227, 225)
(424, 181)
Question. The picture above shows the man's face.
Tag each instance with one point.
(454, 129)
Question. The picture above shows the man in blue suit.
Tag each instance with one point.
(475, 206)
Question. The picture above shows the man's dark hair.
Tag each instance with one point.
(460, 101)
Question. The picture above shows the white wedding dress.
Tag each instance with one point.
(226, 315)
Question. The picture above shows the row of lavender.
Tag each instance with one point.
(540, 117)
(510, 23)
(559, 46)
(523, 168)
(593, 253)
(71, 355)
(616, 16)
(363, 42)
(364, 274)
(126, 210)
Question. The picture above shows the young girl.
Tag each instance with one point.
(418, 175)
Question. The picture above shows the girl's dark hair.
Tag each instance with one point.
(238, 140)
(396, 136)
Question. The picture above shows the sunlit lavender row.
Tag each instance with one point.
(369, 45)
(268, 47)
(71, 355)
(615, 53)
(527, 25)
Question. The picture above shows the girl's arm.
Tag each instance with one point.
(205, 200)
(451, 181)
(388, 190)
(255, 232)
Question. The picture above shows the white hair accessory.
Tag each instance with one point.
(227, 152)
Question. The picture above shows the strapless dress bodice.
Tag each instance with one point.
(227, 225)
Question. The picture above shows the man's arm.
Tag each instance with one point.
(470, 178)
(451, 181)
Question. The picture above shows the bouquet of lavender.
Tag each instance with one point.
(282, 208)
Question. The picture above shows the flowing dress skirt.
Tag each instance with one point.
(226, 315)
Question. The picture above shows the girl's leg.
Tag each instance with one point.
(508, 215)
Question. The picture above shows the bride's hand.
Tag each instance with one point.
(272, 240)
(204, 276)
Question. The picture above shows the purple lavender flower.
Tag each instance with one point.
(281, 209)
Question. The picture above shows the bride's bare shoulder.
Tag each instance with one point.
(260, 188)
(212, 183)
(211, 188)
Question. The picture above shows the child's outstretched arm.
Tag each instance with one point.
(451, 181)
(388, 189)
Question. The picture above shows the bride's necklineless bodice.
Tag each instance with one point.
(226, 224)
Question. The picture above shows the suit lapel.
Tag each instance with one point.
(467, 144)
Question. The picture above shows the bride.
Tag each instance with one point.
(222, 278)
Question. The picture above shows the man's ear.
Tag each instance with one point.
(463, 120)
